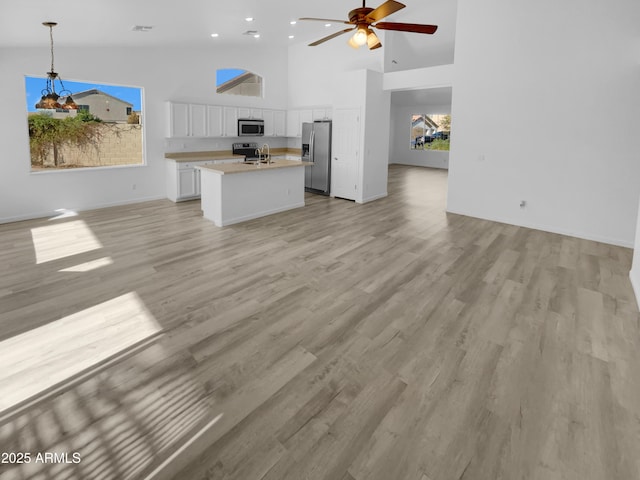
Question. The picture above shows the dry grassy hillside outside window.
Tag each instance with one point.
(105, 130)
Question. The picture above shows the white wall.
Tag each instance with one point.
(376, 138)
(412, 50)
(399, 146)
(165, 74)
(313, 70)
(546, 108)
(634, 274)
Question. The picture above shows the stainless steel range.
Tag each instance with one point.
(246, 149)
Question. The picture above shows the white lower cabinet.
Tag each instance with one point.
(188, 184)
(183, 178)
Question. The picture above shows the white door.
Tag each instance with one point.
(345, 153)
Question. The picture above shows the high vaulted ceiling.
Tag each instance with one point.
(191, 22)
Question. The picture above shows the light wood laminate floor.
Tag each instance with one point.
(385, 341)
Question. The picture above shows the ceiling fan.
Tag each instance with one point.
(366, 18)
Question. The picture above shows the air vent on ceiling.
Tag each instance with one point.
(142, 28)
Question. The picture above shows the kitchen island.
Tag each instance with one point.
(236, 192)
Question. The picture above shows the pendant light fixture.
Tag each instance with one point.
(50, 98)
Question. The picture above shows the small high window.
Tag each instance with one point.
(235, 81)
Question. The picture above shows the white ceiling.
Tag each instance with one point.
(191, 22)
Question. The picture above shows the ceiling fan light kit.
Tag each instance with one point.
(365, 18)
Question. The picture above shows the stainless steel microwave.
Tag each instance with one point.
(250, 127)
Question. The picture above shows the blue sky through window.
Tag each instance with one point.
(34, 86)
(225, 74)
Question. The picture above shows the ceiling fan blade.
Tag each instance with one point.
(373, 41)
(329, 20)
(329, 37)
(384, 10)
(407, 27)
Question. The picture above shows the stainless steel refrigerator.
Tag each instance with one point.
(316, 148)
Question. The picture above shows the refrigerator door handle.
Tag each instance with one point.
(311, 146)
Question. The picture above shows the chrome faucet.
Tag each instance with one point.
(268, 155)
(259, 154)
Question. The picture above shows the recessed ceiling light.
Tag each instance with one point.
(249, 19)
(290, 36)
(214, 35)
(327, 24)
(257, 35)
(293, 22)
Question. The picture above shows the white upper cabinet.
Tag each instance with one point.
(215, 123)
(279, 122)
(274, 123)
(295, 119)
(322, 113)
(293, 124)
(306, 116)
(179, 120)
(231, 116)
(246, 112)
(202, 121)
(198, 115)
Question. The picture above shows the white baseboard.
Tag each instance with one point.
(51, 213)
(244, 218)
(373, 197)
(634, 277)
(546, 228)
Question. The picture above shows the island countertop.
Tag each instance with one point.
(223, 155)
(229, 168)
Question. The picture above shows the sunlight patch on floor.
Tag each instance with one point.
(57, 241)
(88, 266)
(46, 356)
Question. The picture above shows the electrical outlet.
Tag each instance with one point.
(133, 187)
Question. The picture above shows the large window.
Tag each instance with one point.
(235, 81)
(430, 132)
(104, 130)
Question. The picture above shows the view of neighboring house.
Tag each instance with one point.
(247, 83)
(104, 106)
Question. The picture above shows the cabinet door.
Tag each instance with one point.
(244, 112)
(305, 117)
(230, 122)
(279, 117)
(293, 123)
(179, 119)
(188, 185)
(269, 125)
(198, 115)
(256, 113)
(214, 121)
(322, 113)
